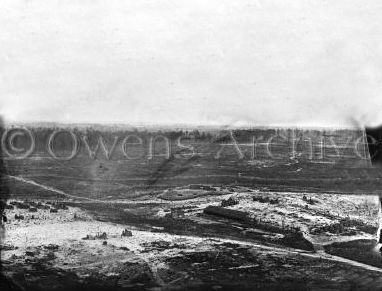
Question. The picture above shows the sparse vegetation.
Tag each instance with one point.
(346, 226)
(266, 199)
(229, 202)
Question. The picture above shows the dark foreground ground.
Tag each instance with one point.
(173, 244)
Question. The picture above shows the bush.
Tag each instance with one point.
(229, 202)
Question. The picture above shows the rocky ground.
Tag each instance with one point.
(73, 249)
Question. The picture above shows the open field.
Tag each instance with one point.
(275, 160)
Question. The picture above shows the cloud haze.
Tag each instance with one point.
(212, 62)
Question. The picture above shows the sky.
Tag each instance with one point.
(215, 62)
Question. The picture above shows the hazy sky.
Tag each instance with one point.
(193, 62)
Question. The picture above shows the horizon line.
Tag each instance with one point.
(180, 125)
